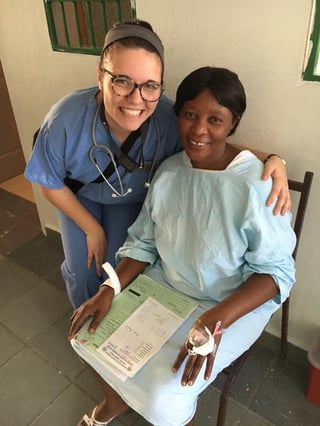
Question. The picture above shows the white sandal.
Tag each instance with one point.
(91, 421)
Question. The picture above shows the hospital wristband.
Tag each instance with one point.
(113, 280)
(110, 283)
(274, 155)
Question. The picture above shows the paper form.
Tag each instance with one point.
(140, 336)
(124, 305)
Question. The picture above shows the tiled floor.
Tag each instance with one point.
(43, 383)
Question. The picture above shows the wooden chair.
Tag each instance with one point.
(232, 371)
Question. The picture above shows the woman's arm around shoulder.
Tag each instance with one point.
(274, 167)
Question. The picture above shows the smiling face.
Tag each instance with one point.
(204, 125)
(126, 114)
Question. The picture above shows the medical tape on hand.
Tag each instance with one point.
(206, 348)
(113, 280)
(200, 333)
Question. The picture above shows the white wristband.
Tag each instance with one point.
(113, 280)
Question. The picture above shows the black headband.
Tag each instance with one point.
(128, 30)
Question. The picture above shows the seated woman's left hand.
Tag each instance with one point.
(199, 347)
(193, 366)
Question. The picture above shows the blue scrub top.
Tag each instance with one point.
(63, 144)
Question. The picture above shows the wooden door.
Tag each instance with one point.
(12, 162)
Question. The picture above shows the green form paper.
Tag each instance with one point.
(126, 304)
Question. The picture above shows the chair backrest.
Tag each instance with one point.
(303, 188)
(232, 371)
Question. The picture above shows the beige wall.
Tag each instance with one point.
(263, 41)
(37, 76)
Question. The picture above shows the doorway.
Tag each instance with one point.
(12, 162)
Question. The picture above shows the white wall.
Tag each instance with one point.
(36, 75)
(263, 41)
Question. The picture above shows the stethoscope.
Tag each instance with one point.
(140, 166)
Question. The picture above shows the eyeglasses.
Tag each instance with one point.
(122, 85)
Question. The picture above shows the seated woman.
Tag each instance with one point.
(205, 231)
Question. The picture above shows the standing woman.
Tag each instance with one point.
(98, 148)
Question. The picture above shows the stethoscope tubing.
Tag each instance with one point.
(108, 151)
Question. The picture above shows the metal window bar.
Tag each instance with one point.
(79, 26)
(91, 28)
(119, 13)
(82, 36)
(65, 26)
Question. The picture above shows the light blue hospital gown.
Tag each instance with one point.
(204, 233)
(62, 150)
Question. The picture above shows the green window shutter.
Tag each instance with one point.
(312, 70)
(79, 26)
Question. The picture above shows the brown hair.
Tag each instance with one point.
(133, 34)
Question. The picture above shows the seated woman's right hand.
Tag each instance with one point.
(97, 307)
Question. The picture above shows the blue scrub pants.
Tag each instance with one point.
(81, 282)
